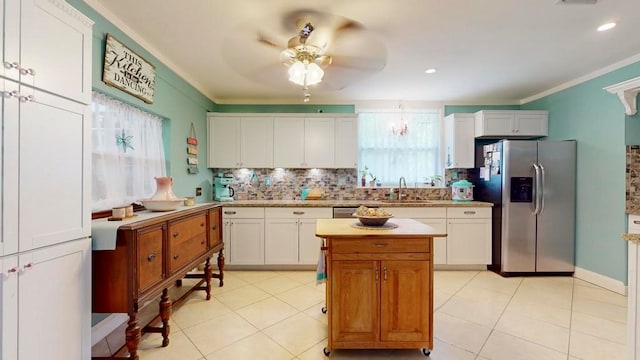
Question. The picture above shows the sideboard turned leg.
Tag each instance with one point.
(220, 268)
(165, 314)
(133, 336)
(207, 278)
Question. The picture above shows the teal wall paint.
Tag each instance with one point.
(455, 109)
(291, 108)
(596, 119)
(175, 101)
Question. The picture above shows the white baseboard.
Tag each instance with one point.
(600, 280)
(100, 330)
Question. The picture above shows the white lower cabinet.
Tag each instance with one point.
(53, 285)
(243, 234)
(468, 235)
(290, 235)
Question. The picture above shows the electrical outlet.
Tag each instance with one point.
(198, 191)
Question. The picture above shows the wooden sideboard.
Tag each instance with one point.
(152, 255)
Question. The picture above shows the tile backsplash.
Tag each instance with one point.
(338, 184)
(632, 203)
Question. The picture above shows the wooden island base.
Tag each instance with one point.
(379, 285)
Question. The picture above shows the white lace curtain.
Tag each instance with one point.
(413, 155)
(128, 152)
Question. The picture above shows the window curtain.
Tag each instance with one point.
(128, 152)
(414, 155)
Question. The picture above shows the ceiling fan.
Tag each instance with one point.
(328, 51)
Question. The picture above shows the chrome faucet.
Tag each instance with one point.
(402, 180)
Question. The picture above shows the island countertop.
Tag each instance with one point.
(345, 228)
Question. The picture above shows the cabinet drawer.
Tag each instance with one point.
(299, 212)
(149, 259)
(418, 212)
(469, 212)
(634, 224)
(243, 212)
(351, 246)
(184, 252)
(183, 229)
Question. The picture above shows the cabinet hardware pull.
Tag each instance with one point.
(298, 213)
(8, 94)
(13, 65)
(202, 242)
(469, 212)
(26, 98)
(214, 227)
(201, 224)
(12, 270)
(29, 71)
(230, 212)
(379, 245)
(175, 234)
(385, 273)
(151, 257)
(636, 222)
(176, 256)
(376, 274)
(28, 266)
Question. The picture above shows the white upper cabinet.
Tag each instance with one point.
(511, 123)
(346, 143)
(43, 42)
(460, 141)
(237, 141)
(319, 140)
(288, 142)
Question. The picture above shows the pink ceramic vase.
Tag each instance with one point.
(164, 189)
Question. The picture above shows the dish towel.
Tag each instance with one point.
(321, 270)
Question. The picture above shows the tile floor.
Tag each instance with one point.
(478, 315)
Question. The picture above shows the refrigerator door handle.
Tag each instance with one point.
(537, 189)
(541, 188)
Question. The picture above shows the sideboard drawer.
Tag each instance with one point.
(150, 257)
(184, 229)
(187, 240)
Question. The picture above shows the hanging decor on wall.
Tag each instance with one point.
(192, 151)
(127, 71)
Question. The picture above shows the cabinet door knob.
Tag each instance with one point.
(12, 270)
(214, 227)
(202, 242)
(151, 257)
(28, 266)
(201, 224)
(176, 256)
(175, 234)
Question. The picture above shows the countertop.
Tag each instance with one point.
(345, 228)
(331, 203)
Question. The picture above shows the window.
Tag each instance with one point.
(128, 152)
(388, 156)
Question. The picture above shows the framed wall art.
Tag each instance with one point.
(128, 71)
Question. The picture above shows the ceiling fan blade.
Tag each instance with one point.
(264, 40)
(364, 63)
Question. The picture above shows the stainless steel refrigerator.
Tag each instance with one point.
(532, 185)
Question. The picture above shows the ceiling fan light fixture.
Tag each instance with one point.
(305, 73)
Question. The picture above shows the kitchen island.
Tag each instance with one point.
(379, 290)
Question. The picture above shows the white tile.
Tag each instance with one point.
(501, 346)
(488, 280)
(267, 312)
(443, 351)
(540, 311)
(297, 333)
(480, 312)
(253, 276)
(560, 297)
(588, 347)
(179, 348)
(600, 294)
(597, 326)
(451, 281)
(303, 276)
(316, 313)
(241, 297)
(604, 310)
(101, 349)
(195, 311)
(460, 333)
(256, 346)
(314, 352)
(277, 284)
(222, 331)
(302, 297)
(543, 333)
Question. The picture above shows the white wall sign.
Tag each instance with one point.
(127, 71)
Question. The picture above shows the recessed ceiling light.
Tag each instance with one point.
(430, 71)
(607, 26)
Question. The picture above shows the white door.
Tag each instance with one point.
(53, 182)
(223, 142)
(256, 142)
(308, 243)
(288, 142)
(468, 241)
(246, 242)
(346, 143)
(9, 307)
(54, 287)
(281, 241)
(319, 140)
